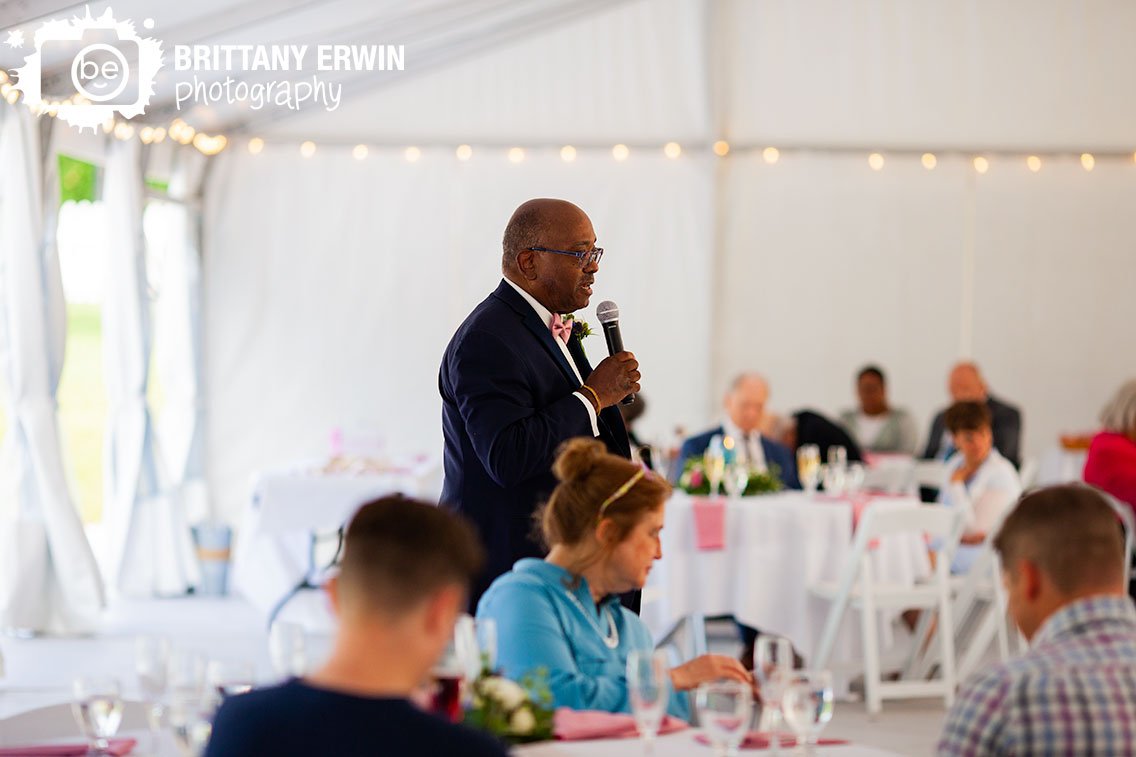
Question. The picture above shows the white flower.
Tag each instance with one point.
(509, 694)
(522, 723)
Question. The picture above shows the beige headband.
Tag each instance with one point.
(621, 491)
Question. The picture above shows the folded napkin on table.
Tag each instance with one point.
(117, 747)
(710, 524)
(578, 725)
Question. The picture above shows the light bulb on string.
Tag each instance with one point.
(567, 153)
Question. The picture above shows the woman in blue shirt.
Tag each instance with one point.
(563, 614)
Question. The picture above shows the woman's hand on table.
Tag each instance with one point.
(708, 667)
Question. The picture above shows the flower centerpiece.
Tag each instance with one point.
(516, 712)
(695, 481)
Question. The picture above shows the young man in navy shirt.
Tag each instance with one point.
(405, 573)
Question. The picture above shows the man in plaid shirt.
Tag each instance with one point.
(1074, 691)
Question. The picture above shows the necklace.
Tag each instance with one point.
(611, 638)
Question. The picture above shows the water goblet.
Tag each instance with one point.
(724, 711)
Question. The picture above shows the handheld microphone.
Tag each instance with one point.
(608, 314)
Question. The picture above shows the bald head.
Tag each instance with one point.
(532, 223)
(745, 401)
(966, 383)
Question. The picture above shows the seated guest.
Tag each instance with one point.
(978, 479)
(745, 414)
(404, 578)
(562, 613)
(640, 450)
(1111, 463)
(1074, 690)
(877, 426)
(967, 385)
(808, 427)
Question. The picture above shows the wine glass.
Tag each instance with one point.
(648, 677)
(834, 478)
(807, 705)
(152, 663)
(460, 662)
(737, 479)
(808, 467)
(854, 478)
(191, 719)
(714, 461)
(287, 646)
(98, 710)
(229, 678)
(838, 455)
(724, 711)
(772, 663)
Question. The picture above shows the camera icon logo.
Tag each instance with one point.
(105, 69)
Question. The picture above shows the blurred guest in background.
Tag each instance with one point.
(640, 450)
(745, 413)
(1074, 690)
(978, 479)
(967, 385)
(876, 426)
(406, 570)
(562, 613)
(808, 427)
(1111, 463)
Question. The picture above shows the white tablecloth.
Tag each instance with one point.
(676, 745)
(775, 547)
(286, 508)
(1060, 466)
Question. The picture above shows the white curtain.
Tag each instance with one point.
(150, 548)
(335, 284)
(49, 580)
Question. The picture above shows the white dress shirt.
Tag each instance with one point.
(749, 447)
(545, 316)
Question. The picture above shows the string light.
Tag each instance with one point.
(771, 155)
(620, 152)
(567, 153)
(123, 131)
(208, 145)
(360, 152)
(159, 134)
(412, 154)
(308, 149)
(146, 134)
(255, 145)
(930, 161)
(981, 164)
(1088, 161)
(721, 148)
(464, 152)
(516, 155)
(876, 161)
(1034, 163)
(672, 150)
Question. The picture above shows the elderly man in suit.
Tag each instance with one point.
(966, 384)
(516, 384)
(745, 413)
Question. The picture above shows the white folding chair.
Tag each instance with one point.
(860, 589)
(929, 473)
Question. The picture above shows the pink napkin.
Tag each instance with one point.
(755, 740)
(580, 725)
(117, 747)
(710, 524)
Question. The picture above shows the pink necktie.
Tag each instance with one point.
(560, 329)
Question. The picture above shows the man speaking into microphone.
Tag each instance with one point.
(515, 383)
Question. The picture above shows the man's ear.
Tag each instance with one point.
(526, 264)
(331, 588)
(1031, 578)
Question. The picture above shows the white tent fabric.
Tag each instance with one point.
(325, 314)
(48, 577)
(151, 550)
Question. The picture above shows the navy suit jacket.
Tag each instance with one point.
(775, 453)
(507, 404)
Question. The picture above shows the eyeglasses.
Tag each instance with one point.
(586, 258)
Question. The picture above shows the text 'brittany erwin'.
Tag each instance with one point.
(289, 58)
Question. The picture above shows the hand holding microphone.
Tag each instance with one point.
(616, 378)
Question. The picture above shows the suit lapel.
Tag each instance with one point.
(541, 331)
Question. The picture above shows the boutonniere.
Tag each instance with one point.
(580, 329)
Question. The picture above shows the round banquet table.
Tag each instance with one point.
(675, 745)
(773, 548)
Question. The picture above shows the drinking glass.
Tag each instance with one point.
(460, 662)
(807, 704)
(854, 478)
(191, 719)
(230, 678)
(714, 461)
(486, 631)
(808, 467)
(834, 479)
(724, 711)
(152, 663)
(772, 664)
(287, 646)
(648, 679)
(737, 479)
(97, 708)
(837, 455)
